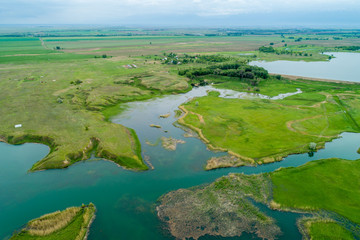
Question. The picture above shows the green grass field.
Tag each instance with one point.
(64, 102)
(260, 129)
(326, 230)
(330, 184)
(45, 227)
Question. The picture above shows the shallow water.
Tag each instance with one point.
(345, 67)
(125, 199)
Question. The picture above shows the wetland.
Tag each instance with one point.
(265, 138)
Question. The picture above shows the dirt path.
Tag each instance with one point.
(57, 93)
(43, 43)
(289, 125)
(201, 118)
(316, 105)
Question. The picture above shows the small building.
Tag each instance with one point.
(18, 126)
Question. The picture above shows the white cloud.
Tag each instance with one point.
(83, 11)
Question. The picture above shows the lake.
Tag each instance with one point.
(344, 67)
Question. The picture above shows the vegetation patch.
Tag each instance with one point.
(324, 229)
(165, 115)
(222, 209)
(155, 126)
(224, 161)
(170, 143)
(320, 185)
(72, 223)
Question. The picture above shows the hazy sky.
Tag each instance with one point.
(182, 12)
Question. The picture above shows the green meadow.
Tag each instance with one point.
(320, 185)
(64, 100)
(260, 128)
(325, 230)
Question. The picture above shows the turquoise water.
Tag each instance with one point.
(126, 200)
(345, 67)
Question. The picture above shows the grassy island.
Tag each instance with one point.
(72, 224)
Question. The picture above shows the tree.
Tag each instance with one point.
(312, 146)
(266, 49)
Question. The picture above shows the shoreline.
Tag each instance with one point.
(89, 224)
(295, 77)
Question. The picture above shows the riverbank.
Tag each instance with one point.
(292, 77)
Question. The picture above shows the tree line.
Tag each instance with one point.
(242, 71)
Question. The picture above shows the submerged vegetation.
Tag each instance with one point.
(170, 143)
(317, 187)
(222, 209)
(72, 223)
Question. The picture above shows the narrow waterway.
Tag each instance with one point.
(125, 199)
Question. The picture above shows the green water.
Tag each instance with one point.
(126, 200)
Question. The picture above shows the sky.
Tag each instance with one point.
(183, 12)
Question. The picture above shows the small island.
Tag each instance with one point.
(72, 223)
(170, 143)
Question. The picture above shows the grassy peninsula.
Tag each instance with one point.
(258, 130)
(72, 223)
(326, 230)
(64, 100)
